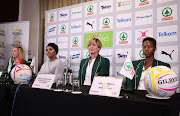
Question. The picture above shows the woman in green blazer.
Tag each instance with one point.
(142, 66)
(93, 66)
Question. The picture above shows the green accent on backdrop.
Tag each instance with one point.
(105, 37)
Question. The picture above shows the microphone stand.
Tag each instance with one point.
(126, 96)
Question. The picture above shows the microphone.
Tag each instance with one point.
(20, 61)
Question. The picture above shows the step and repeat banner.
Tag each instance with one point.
(121, 25)
(11, 35)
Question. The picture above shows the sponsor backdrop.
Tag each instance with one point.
(121, 25)
(12, 34)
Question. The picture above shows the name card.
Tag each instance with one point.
(106, 86)
(44, 81)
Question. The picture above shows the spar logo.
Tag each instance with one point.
(90, 10)
(88, 55)
(141, 54)
(167, 12)
(128, 66)
(63, 29)
(143, 35)
(143, 2)
(51, 17)
(106, 7)
(123, 37)
(17, 32)
(2, 33)
(2, 45)
(75, 42)
(106, 22)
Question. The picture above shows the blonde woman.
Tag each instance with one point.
(17, 53)
(96, 65)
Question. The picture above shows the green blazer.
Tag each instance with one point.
(100, 68)
(138, 66)
(6, 73)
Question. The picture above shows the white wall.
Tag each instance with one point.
(29, 11)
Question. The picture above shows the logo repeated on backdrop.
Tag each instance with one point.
(76, 12)
(123, 38)
(107, 53)
(121, 54)
(144, 17)
(105, 37)
(63, 42)
(17, 32)
(2, 33)
(106, 7)
(168, 53)
(75, 56)
(51, 30)
(162, 1)
(143, 33)
(139, 55)
(75, 42)
(123, 20)
(1, 68)
(62, 55)
(63, 28)
(167, 33)
(123, 5)
(2, 56)
(90, 25)
(91, 10)
(51, 40)
(2, 45)
(166, 14)
(140, 3)
(106, 23)
(64, 15)
(76, 27)
(52, 17)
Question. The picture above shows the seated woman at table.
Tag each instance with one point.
(17, 55)
(96, 65)
(53, 65)
(141, 67)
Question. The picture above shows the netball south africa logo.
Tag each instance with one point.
(123, 37)
(88, 55)
(106, 22)
(90, 10)
(166, 13)
(128, 66)
(63, 29)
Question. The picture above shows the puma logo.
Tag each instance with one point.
(165, 53)
(90, 24)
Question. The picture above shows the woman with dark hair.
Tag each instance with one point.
(53, 65)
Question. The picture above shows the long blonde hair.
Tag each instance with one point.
(21, 52)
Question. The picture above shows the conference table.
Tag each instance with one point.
(40, 102)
